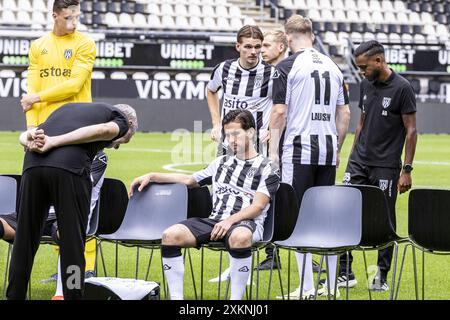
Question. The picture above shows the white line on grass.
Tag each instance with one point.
(170, 167)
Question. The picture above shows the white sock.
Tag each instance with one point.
(239, 272)
(59, 288)
(174, 271)
(308, 280)
(332, 260)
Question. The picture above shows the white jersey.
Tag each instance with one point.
(249, 89)
(311, 85)
(235, 183)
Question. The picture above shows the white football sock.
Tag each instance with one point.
(59, 288)
(239, 272)
(174, 271)
(332, 260)
(308, 280)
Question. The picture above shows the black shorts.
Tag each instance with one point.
(11, 220)
(201, 228)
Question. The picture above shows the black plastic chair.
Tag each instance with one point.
(329, 223)
(377, 228)
(428, 228)
(148, 214)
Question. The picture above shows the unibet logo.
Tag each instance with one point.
(54, 72)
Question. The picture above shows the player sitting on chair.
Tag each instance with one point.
(242, 185)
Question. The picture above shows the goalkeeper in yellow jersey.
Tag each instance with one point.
(60, 69)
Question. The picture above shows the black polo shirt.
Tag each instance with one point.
(382, 137)
(72, 116)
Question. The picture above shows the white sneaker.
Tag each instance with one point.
(323, 292)
(225, 276)
(295, 295)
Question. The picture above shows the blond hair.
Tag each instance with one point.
(278, 36)
(298, 24)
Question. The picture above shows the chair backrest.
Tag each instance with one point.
(269, 222)
(285, 212)
(429, 218)
(377, 227)
(199, 202)
(151, 211)
(113, 204)
(8, 195)
(330, 218)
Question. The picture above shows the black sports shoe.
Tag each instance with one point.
(379, 283)
(342, 280)
(52, 278)
(267, 265)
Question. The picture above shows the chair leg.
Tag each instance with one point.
(318, 276)
(415, 272)
(336, 271)
(251, 277)
(302, 280)
(257, 275)
(102, 258)
(8, 257)
(423, 275)
(271, 273)
(117, 258)
(137, 263)
(149, 264)
(201, 274)
(347, 272)
(367, 275)
(401, 270)
(394, 271)
(279, 273)
(289, 275)
(220, 274)
(327, 268)
(192, 273)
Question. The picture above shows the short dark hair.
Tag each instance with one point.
(244, 117)
(249, 31)
(58, 5)
(369, 48)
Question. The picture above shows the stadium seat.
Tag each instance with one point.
(434, 87)
(154, 22)
(194, 10)
(235, 12)
(203, 77)
(153, 9)
(38, 18)
(85, 6)
(98, 75)
(24, 5)
(118, 75)
(209, 23)
(140, 20)
(99, 7)
(167, 9)
(235, 23)
(113, 7)
(9, 5)
(387, 6)
(222, 11)
(208, 11)
(428, 225)
(161, 76)
(8, 17)
(182, 23)
(127, 7)
(352, 16)
(195, 23)
(224, 23)
(339, 16)
(181, 10)
(167, 22)
(126, 21)
(111, 20)
(23, 17)
(329, 223)
(140, 76)
(183, 76)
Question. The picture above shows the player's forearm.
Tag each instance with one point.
(250, 212)
(98, 132)
(410, 145)
(213, 106)
(65, 89)
(161, 177)
(276, 127)
(342, 122)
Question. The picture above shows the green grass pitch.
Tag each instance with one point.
(186, 152)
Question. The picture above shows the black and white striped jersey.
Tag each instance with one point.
(312, 86)
(249, 89)
(235, 183)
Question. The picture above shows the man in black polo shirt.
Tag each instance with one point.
(388, 118)
(56, 171)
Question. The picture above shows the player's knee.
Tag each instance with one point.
(173, 236)
(240, 238)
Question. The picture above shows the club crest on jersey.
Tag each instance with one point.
(386, 102)
(68, 54)
(384, 184)
(251, 172)
(258, 81)
(276, 75)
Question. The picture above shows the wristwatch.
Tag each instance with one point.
(407, 168)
